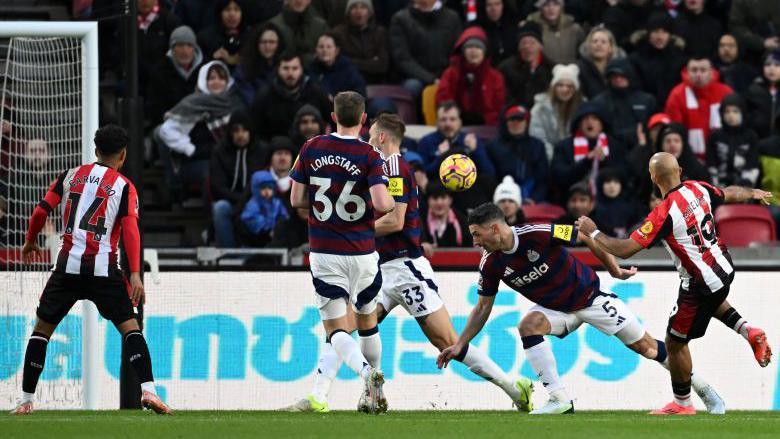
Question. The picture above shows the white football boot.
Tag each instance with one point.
(555, 407)
(376, 397)
(712, 400)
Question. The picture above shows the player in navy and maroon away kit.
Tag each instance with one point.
(684, 223)
(531, 260)
(97, 204)
(341, 179)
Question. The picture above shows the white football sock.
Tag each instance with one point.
(482, 365)
(743, 328)
(371, 347)
(149, 387)
(327, 368)
(27, 397)
(543, 363)
(349, 352)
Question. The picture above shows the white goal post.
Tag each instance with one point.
(87, 33)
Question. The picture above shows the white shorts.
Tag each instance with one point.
(341, 278)
(607, 313)
(410, 283)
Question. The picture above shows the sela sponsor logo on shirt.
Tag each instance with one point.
(533, 275)
(335, 160)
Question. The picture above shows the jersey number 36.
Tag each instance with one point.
(345, 198)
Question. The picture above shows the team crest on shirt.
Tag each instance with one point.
(532, 256)
(646, 228)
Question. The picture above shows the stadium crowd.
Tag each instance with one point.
(556, 101)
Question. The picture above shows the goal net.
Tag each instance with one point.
(46, 129)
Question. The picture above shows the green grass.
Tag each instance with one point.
(394, 425)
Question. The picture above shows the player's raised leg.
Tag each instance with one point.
(754, 335)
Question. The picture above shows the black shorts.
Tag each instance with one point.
(694, 309)
(109, 294)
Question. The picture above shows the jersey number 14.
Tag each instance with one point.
(99, 228)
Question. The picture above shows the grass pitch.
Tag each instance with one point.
(394, 425)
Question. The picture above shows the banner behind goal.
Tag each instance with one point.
(49, 114)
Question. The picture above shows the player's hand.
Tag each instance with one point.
(137, 294)
(762, 196)
(641, 138)
(30, 252)
(585, 225)
(428, 249)
(470, 141)
(448, 354)
(624, 274)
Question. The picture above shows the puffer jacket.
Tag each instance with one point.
(546, 125)
(560, 40)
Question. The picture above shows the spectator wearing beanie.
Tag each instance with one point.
(763, 103)
(529, 71)
(423, 21)
(659, 58)
(732, 151)
(308, 123)
(554, 110)
(259, 56)
(500, 25)
(598, 49)
(520, 156)
(232, 164)
(364, 42)
(175, 76)
(561, 35)
(155, 26)
(694, 102)
(624, 105)
(332, 70)
(300, 27)
(734, 71)
(281, 156)
(507, 197)
(700, 30)
(640, 155)
(755, 23)
(471, 82)
(222, 41)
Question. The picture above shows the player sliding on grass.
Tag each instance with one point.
(97, 202)
(684, 223)
(531, 260)
(341, 179)
(408, 281)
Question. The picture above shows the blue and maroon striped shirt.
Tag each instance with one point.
(403, 187)
(339, 170)
(539, 268)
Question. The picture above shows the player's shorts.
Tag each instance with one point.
(607, 313)
(109, 294)
(693, 311)
(410, 283)
(341, 278)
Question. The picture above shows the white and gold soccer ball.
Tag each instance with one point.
(457, 173)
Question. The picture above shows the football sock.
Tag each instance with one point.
(682, 393)
(539, 353)
(349, 352)
(371, 346)
(34, 359)
(327, 368)
(697, 382)
(137, 353)
(733, 320)
(480, 364)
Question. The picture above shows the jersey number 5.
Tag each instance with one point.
(346, 197)
(99, 228)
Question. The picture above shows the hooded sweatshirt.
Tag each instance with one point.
(260, 214)
(732, 151)
(697, 109)
(231, 166)
(476, 89)
(307, 110)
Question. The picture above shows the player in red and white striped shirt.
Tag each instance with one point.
(685, 225)
(97, 205)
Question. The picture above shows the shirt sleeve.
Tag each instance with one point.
(376, 173)
(298, 172)
(488, 278)
(563, 234)
(128, 206)
(717, 196)
(54, 195)
(655, 227)
(399, 180)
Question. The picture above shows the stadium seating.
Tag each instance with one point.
(485, 133)
(429, 104)
(543, 212)
(740, 225)
(401, 97)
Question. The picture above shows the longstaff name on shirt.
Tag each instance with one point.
(335, 160)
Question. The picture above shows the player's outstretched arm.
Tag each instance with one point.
(622, 248)
(391, 222)
(476, 322)
(38, 219)
(299, 195)
(609, 261)
(740, 194)
(381, 198)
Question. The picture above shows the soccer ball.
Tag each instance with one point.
(457, 173)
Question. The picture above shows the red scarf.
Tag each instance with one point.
(145, 21)
(581, 150)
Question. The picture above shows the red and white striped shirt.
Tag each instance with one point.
(96, 202)
(684, 222)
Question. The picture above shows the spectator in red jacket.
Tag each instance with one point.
(694, 103)
(471, 82)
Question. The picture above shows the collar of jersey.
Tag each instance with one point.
(673, 189)
(335, 134)
(102, 164)
(517, 243)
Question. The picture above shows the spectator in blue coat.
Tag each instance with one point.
(450, 139)
(333, 71)
(514, 152)
(263, 210)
